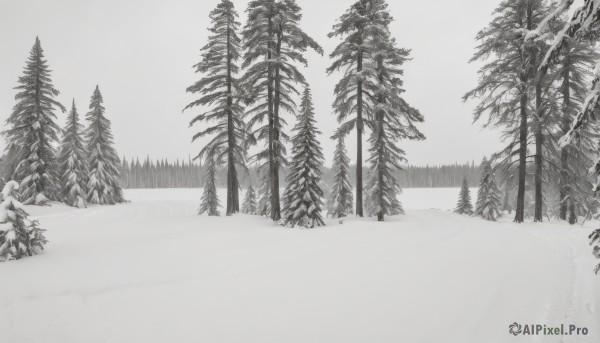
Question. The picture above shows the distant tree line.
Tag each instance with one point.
(162, 173)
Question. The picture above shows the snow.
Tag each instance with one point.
(153, 271)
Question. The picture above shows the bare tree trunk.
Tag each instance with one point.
(233, 202)
(274, 205)
(539, 141)
(520, 210)
(359, 132)
(275, 201)
(564, 153)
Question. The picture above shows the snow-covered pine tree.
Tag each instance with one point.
(302, 199)
(464, 206)
(33, 132)
(505, 81)
(340, 198)
(394, 120)
(220, 93)
(103, 162)
(488, 196)
(20, 235)
(249, 206)
(72, 162)
(274, 45)
(209, 203)
(351, 56)
(575, 66)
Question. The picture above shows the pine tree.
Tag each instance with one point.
(274, 44)
(394, 121)
(72, 162)
(506, 79)
(340, 198)
(302, 199)
(33, 132)
(464, 206)
(249, 206)
(488, 196)
(220, 89)
(350, 56)
(210, 200)
(20, 235)
(103, 162)
(264, 193)
(575, 63)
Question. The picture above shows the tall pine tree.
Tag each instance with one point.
(464, 206)
(349, 56)
(274, 45)
(340, 199)
(302, 199)
(505, 81)
(72, 162)
(220, 89)
(33, 132)
(103, 162)
(394, 120)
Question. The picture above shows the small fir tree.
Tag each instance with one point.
(464, 206)
(488, 196)
(104, 163)
(249, 206)
(341, 197)
(72, 162)
(20, 235)
(264, 193)
(303, 196)
(210, 200)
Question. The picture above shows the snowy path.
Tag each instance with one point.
(154, 271)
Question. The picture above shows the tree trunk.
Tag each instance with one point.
(564, 153)
(539, 141)
(233, 202)
(271, 121)
(520, 210)
(359, 132)
(275, 202)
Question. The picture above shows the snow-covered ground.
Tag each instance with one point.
(153, 271)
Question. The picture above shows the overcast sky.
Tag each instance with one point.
(141, 54)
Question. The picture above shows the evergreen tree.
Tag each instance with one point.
(20, 235)
(274, 44)
(72, 162)
(394, 120)
(220, 89)
(249, 206)
(506, 79)
(464, 206)
(488, 196)
(575, 63)
(210, 200)
(340, 198)
(264, 193)
(302, 199)
(350, 56)
(33, 132)
(103, 162)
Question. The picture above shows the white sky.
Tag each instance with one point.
(141, 54)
